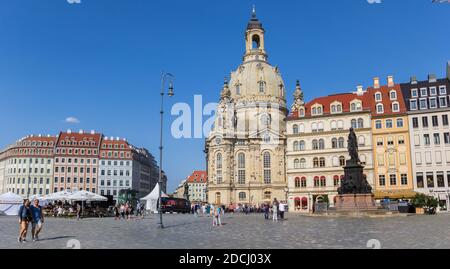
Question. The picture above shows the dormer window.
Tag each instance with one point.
(380, 109)
(355, 106)
(442, 90)
(317, 110)
(262, 87)
(433, 91)
(336, 108)
(414, 93)
(395, 107)
(393, 95)
(301, 112)
(378, 97)
(423, 92)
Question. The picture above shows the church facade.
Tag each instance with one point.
(245, 150)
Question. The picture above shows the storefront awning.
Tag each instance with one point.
(396, 194)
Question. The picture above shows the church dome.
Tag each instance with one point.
(256, 79)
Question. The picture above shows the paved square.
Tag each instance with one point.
(239, 231)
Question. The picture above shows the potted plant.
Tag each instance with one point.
(419, 202)
(431, 204)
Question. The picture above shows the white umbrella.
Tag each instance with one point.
(58, 196)
(87, 196)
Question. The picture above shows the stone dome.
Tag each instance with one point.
(256, 79)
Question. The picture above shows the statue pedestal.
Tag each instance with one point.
(355, 202)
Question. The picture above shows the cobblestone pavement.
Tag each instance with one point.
(238, 231)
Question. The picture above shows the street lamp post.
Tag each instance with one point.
(164, 78)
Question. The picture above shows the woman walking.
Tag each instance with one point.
(275, 210)
(25, 217)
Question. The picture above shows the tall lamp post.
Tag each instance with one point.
(164, 78)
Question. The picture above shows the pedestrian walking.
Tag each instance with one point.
(275, 210)
(37, 220)
(25, 217)
(266, 211)
(116, 213)
(78, 211)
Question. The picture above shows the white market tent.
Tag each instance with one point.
(58, 196)
(10, 203)
(152, 199)
(86, 196)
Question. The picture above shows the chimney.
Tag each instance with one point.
(92, 132)
(40, 135)
(359, 90)
(106, 138)
(413, 80)
(117, 138)
(69, 131)
(432, 78)
(81, 131)
(376, 82)
(390, 80)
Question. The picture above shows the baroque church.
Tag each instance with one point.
(245, 150)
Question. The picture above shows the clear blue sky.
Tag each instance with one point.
(100, 61)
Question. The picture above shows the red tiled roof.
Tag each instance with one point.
(198, 177)
(386, 100)
(344, 98)
(77, 137)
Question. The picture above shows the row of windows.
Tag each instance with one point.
(115, 163)
(28, 171)
(23, 180)
(267, 171)
(389, 123)
(69, 169)
(302, 182)
(33, 191)
(319, 144)
(115, 183)
(431, 180)
(74, 180)
(334, 125)
(335, 108)
(75, 161)
(33, 151)
(116, 154)
(432, 91)
(431, 102)
(392, 96)
(395, 107)
(30, 161)
(436, 139)
(434, 121)
(68, 189)
(321, 162)
(80, 143)
(427, 158)
(35, 143)
(77, 151)
(393, 181)
(115, 173)
(390, 141)
(110, 146)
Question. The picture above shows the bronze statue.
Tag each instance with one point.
(353, 146)
(186, 190)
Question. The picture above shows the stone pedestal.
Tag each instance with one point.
(355, 202)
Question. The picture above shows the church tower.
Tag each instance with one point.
(246, 148)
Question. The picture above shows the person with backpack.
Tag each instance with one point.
(25, 217)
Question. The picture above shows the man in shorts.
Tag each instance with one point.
(38, 220)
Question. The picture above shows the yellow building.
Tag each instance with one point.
(391, 142)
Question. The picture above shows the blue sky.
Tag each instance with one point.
(100, 61)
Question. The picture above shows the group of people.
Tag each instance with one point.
(209, 210)
(30, 214)
(277, 210)
(126, 211)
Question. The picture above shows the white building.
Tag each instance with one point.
(429, 114)
(317, 146)
(3, 161)
(198, 183)
(29, 166)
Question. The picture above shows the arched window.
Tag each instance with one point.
(333, 109)
(354, 124)
(340, 125)
(323, 181)
(314, 127)
(302, 145)
(296, 146)
(296, 164)
(262, 87)
(336, 181)
(361, 141)
(395, 107)
(339, 108)
(342, 161)
(320, 127)
(316, 182)
(322, 162)
(334, 143)
(303, 183)
(267, 164)
(242, 196)
(316, 162)
(333, 125)
(400, 123)
(303, 163)
(380, 109)
(301, 112)
(378, 97)
(335, 161)
(298, 182)
(241, 168)
(321, 144)
(315, 144)
(256, 42)
(360, 123)
(219, 168)
(301, 128)
(295, 129)
(393, 95)
(353, 107)
(341, 143)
